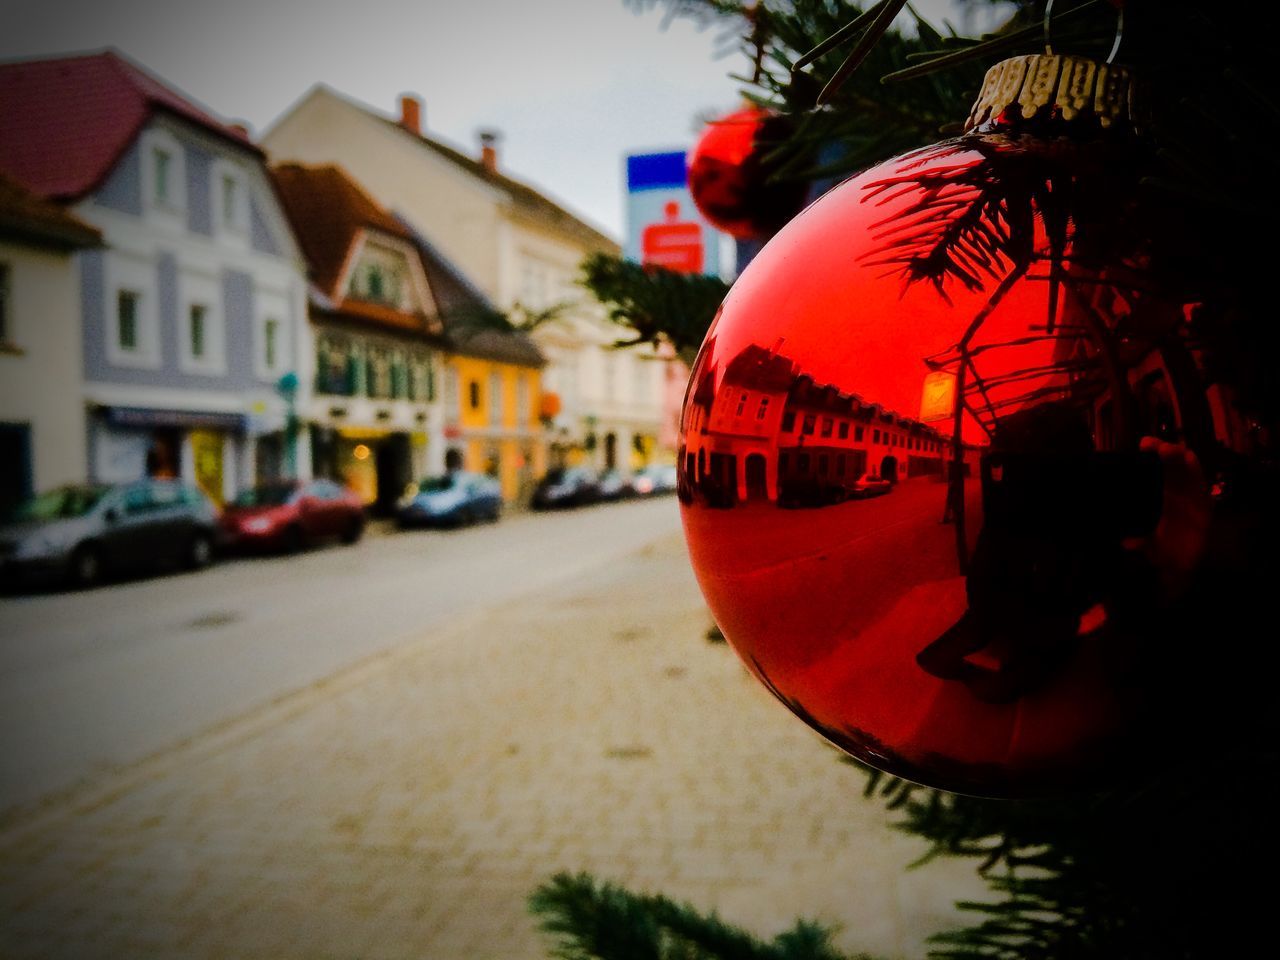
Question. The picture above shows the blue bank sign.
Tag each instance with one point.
(663, 226)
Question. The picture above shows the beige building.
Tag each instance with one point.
(521, 249)
(42, 417)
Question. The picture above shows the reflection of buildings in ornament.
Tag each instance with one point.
(769, 432)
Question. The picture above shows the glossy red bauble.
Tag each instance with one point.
(729, 182)
(941, 470)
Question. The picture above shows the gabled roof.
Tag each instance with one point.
(468, 315)
(33, 219)
(64, 122)
(527, 201)
(328, 211)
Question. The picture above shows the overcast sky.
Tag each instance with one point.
(572, 84)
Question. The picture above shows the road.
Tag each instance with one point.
(91, 681)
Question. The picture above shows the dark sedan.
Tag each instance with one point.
(289, 514)
(84, 532)
(571, 487)
(454, 499)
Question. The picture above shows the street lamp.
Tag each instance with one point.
(287, 387)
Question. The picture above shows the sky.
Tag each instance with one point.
(573, 85)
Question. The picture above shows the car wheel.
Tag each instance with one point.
(86, 567)
(354, 531)
(293, 540)
(200, 551)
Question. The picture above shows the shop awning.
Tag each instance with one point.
(194, 419)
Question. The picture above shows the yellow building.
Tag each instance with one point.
(491, 420)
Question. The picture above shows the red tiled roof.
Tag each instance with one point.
(30, 217)
(328, 210)
(65, 122)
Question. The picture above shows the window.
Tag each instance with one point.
(495, 399)
(4, 303)
(844, 430)
(807, 426)
(788, 421)
(522, 401)
(473, 394)
(229, 202)
(742, 405)
(763, 408)
(826, 426)
(270, 334)
(197, 330)
(875, 436)
(162, 161)
(376, 291)
(127, 320)
(857, 434)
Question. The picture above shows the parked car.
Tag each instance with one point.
(457, 498)
(567, 487)
(652, 481)
(84, 532)
(289, 514)
(615, 485)
(869, 485)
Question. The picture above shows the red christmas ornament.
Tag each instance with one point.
(941, 457)
(729, 182)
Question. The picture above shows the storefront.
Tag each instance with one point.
(204, 448)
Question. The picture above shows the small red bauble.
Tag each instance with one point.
(939, 470)
(729, 182)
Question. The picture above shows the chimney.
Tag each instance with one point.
(489, 148)
(411, 113)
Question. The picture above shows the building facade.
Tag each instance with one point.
(42, 427)
(195, 347)
(375, 413)
(523, 251)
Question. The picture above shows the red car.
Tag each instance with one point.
(287, 515)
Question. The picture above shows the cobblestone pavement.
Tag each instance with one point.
(407, 806)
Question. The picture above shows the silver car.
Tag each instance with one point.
(84, 532)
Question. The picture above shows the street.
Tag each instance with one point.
(91, 680)
(380, 751)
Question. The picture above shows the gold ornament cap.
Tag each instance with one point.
(1049, 85)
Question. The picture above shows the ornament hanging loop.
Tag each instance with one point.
(1115, 46)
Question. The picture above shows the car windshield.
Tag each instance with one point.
(438, 484)
(60, 504)
(273, 495)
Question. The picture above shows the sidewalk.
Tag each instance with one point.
(407, 807)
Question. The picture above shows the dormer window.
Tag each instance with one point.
(375, 284)
(163, 161)
(229, 200)
(164, 172)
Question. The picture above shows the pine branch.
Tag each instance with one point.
(593, 920)
(657, 304)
